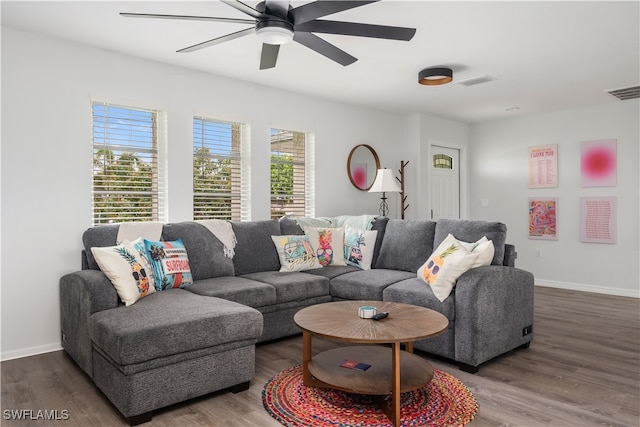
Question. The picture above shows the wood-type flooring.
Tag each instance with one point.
(582, 369)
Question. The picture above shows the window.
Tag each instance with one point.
(442, 161)
(292, 174)
(220, 180)
(127, 185)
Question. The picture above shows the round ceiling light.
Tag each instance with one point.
(274, 32)
(435, 76)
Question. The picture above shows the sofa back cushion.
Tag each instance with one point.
(255, 250)
(471, 231)
(406, 244)
(205, 251)
(100, 236)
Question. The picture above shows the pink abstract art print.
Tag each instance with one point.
(598, 163)
(543, 218)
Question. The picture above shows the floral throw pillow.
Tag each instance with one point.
(359, 246)
(445, 265)
(128, 270)
(328, 244)
(170, 264)
(295, 253)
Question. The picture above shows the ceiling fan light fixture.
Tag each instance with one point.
(274, 32)
(435, 76)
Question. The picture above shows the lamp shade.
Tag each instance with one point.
(385, 182)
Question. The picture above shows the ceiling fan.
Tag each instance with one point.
(275, 22)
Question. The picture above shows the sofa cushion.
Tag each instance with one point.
(101, 236)
(328, 243)
(406, 244)
(128, 269)
(237, 289)
(170, 263)
(366, 284)
(379, 224)
(414, 291)
(171, 322)
(293, 286)
(255, 251)
(450, 260)
(332, 271)
(206, 252)
(295, 253)
(470, 231)
(290, 226)
(359, 247)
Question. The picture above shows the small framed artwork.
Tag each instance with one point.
(598, 163)
(598, 219)
(543, 166)
(543, 217)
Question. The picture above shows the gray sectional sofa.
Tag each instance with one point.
(177, 344)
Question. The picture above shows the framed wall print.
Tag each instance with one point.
(543, 216)
(543, 166)
(598, 219)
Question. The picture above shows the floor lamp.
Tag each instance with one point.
(385, 182)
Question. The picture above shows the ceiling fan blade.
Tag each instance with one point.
(236, 4)
(323, 47)
(277, 7)
(357, 29)
(269, 56)
(187, 17)
(218, 40)
(318, 9)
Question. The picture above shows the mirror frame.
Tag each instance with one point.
(375, 158)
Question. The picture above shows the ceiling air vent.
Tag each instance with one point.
(476, 80)
(626, 93)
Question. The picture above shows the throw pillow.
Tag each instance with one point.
(484, 248)
(170, 264)
(127, 269)
(445, 265)
(328, 244)
(295, 253)
(359, 246)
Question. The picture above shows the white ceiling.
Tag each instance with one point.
(545, 55)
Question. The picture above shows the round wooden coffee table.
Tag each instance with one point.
(392, 371)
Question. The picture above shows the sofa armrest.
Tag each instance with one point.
(494, 312)
(81, 294)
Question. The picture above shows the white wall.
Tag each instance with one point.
(499, 173)
(420, 133)
(47, 85)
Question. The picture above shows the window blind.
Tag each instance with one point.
(126, 183)
(220, 178)
(291, 192)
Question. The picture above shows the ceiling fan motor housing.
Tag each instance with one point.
(274, 31)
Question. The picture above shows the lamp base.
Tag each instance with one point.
(384, 207)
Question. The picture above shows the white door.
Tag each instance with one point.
(445, 182)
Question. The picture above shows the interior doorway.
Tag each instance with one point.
(444, 167)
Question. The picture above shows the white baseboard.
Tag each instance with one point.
(634, 293)
(31, 351)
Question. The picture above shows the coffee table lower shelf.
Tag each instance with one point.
(325, 369)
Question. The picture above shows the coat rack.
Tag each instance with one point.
(403, 198)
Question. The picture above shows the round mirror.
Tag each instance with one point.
(362, 166)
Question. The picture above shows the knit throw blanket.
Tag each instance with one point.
(223, 232)
(132, 230)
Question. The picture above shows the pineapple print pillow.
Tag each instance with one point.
(450, 260)
(328, 244)
(128, 269)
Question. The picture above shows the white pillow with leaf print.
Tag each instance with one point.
(448, 262)
(128, 269)
(484, 248)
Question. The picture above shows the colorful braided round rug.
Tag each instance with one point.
(445, 401)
